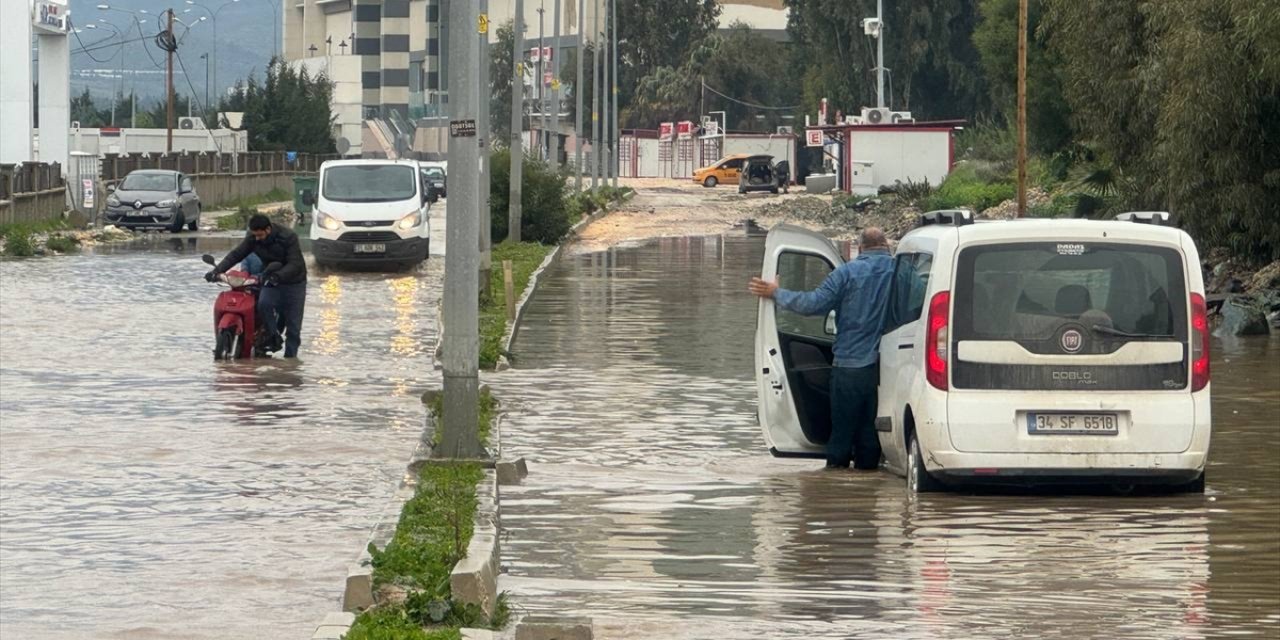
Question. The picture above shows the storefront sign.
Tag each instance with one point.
(49, 17)
(684, 130)
(813, 137)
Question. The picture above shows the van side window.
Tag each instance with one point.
(802, 272)
(909, 286)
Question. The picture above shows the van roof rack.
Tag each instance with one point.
(949, 217)
(1158, 218)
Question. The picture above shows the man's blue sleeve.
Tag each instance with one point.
(818, 302)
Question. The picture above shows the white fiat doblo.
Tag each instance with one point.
(1016, 352)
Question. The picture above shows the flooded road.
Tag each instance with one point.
(653, 506)
(149, 492)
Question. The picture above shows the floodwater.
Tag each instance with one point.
(149, 492)
(653, 507)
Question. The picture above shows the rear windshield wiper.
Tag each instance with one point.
(1125, 334)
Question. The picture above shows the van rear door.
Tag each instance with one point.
(1065, 346)
(793, 353)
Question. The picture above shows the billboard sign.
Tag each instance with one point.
(49, 17)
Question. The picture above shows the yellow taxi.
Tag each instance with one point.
(726, 170)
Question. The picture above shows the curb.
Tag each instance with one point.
(474, 580)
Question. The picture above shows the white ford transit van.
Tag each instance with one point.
(370, 211)
(1019, 352)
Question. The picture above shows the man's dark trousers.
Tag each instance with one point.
(853, 417)
(285, 301)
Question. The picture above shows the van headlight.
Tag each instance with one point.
(410, 221)
(327, 221)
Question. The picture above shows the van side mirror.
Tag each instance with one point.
(208, 259)
(830, 326)
(308, 198)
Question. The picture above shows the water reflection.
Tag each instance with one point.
(652, 506)
(149, 492)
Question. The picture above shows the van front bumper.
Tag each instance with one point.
(343, 252)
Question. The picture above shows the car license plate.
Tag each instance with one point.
(138, 214)
(1081, 424)
(371, 248)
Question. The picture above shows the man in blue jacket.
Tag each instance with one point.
(859, 293)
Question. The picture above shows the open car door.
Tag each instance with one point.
(793, 352)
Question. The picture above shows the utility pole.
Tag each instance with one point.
(461, 343)
(483, 139)
(614, 131)
(514, 214)
(170, 45)
(206, 84)
(556, 50)
(880, 54)
(606, 126)
(1022, 108)
(542, 89)
(595, 96)
(579, 131)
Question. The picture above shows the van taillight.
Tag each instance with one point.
(935, 345)
(1199, 343)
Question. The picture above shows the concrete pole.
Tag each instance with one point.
(461, 343)
(168, 144)
(483, 128)
(542, 87)
(606, 98)
(595, 96)
(615, 131)
(1022, 108)
(517, 123)
(556, 50)
(579, 131)
(15, 83)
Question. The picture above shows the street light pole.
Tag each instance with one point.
(615, 130)
(579, 131)
(542, 95)
(206, 84)
(119, 80)
(461, 343)
(595, 95)
(556, 50)
(516, 191)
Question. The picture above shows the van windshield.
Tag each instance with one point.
(370, 183)
(1070, 298)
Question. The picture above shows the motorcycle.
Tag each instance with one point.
(234, 312)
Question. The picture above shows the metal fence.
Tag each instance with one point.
(31, 191)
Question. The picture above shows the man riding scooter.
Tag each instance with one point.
(282, 303)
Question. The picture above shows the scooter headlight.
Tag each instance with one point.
(410, 221)
(327, 221)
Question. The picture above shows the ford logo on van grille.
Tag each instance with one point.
(1072, 341)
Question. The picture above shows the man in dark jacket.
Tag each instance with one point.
(286, 295)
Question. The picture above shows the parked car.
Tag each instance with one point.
(433, 173)
(1021, 352)
(725, 171)
(370, 212)
(759, 173)
(154, 199)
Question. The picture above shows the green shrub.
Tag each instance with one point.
(61, 243)
(18, 243)
(990, 143)
(545, 215)
(965, 188)
(525, 258)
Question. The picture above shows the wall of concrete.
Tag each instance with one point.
(15, 82)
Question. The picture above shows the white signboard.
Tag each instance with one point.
(813, 137)
(88, 193)
(49, 17)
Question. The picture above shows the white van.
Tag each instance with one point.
(1019, 352)
(370, 212)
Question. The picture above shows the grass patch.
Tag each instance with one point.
(525, 258)
(488, 409)
(62, 244)
(274, 195)
(19, 237)
(970, 187)
(239, 221)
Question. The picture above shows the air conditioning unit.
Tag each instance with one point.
(785, 131)
(875, 115)
(190, 123)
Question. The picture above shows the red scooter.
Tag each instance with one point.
(234, 312)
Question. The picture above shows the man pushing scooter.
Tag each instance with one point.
(280, 306)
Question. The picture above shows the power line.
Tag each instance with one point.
(86, 51)
(748, 104)
(194, 98)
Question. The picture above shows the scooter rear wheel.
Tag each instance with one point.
(228, 345)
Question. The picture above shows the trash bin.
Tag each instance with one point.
(302, 184)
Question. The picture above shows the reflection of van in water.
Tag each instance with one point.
(1027, 351)
(370, 212)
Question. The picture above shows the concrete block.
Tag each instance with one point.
(478, 634)
(512, 471)
(553, 628)
(334, 626)
(474, 579)
(359, 592)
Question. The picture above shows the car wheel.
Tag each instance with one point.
(710, 182)
(178, 221)
(918, 478)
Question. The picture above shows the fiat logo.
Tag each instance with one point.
(1072, 341)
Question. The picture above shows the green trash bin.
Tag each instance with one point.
(303, 184)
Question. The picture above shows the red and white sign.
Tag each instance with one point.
(813, 137)
(666, 130)
(538, 55)
(684, 130)
(546, 78)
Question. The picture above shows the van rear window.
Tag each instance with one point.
(1068, 298)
